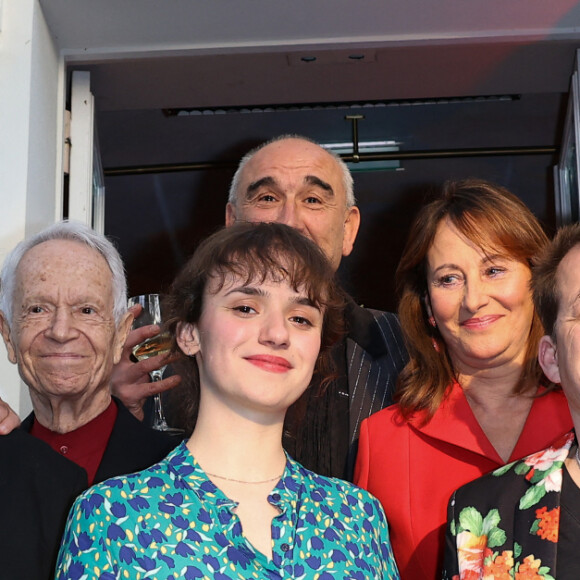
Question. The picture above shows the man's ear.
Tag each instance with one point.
(548, 358)
(188, 338)
(230, 214)
(5, 330)
(351, 225)
(121, 334)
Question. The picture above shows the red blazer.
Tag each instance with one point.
(413, 470)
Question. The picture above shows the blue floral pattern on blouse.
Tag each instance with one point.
(170, 522)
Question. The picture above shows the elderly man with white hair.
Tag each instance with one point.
(64, 320)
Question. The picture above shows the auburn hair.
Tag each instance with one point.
(496, 221)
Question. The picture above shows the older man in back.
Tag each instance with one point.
(64, 321)
(295, 181)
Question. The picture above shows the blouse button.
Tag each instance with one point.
(284, 547)
(276, 496)
(64, 449)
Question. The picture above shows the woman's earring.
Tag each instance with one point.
(433, 323)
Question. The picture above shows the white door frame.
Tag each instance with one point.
(32, 93)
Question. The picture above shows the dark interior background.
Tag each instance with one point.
(459, 80)
(158, 218)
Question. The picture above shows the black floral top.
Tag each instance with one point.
(506, 524)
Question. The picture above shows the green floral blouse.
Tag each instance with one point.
(171, 522)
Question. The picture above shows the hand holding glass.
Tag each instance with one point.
(159, 344)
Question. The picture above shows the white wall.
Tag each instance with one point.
(31, 93)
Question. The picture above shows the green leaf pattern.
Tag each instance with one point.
(479, 534)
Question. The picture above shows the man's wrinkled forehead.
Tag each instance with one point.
(65, 265)
(293, 160)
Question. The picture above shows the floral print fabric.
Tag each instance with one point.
(171, 522)
(505, 524)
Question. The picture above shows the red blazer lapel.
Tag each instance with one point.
(455, 423)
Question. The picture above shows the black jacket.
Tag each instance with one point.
(37, 488)
(131, 447)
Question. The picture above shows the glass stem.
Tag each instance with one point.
(159, 422)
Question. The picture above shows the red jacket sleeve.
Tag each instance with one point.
(361, 469)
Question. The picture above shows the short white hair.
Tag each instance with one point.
(347, 181)
(73, 231)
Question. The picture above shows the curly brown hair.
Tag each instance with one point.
(253, 252)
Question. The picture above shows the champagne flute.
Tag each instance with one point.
(159, 344)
